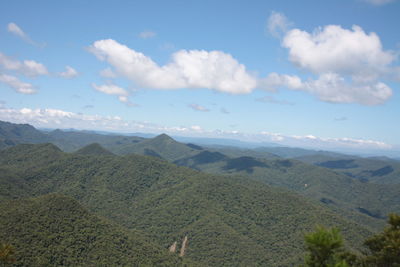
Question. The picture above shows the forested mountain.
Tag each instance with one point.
(376, 170)
(12, 134)
(55, 230)
(228, 220)
(229, 212)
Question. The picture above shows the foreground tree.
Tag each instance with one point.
(385, 247)
(325, 248)
(6, 254)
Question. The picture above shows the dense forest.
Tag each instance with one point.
(80, 198)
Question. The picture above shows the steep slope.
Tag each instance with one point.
(12, 134)
(365, 203)
(229, 221)
(55, 230)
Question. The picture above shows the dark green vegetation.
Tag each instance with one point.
(232, 216)
(325, 248)
(56, 230)
(229, 221)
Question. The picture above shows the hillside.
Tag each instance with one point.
(56, 230)
(161, 146)
(93, 149)
(366, 203)
(228, 221)
(12, 134)
(376, 170)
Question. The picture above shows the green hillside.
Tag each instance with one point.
(229, 221)
(161, 146)
(93, 149)
(12, 134)
(376, 170)
(54, 230)
(366, 203)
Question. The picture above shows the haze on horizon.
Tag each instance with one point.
(310, 74)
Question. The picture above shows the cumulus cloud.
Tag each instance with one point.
(346, 65)
(278, 24)
(19, 86)
(334, 49)
(147, 34)
(27, 67)
(330, 87)
(275, 80)
(214, 70)
(197, 107)
(68, 73)
(17, 31)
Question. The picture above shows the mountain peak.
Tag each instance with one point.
(163, 136)
(93, 149)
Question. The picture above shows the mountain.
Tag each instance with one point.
(71, 141)
(12, 134)
(377, 170)
(93, 149)
(366, 203)
(55, 230)
(161, 146)
(228, 220)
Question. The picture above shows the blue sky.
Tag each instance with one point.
(308, 73)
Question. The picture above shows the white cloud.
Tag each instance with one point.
(197, 107)
(16, 30)
(68, 73)
(278, 24)
(275, 80)
(27, 67)
(334, 49)
(188, 69)
(379, 2)
(348, 65)
(108, 73)
(110, 89)
(17, 85)
(331, 87)
(147, 34)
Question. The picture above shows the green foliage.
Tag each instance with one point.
(228, 220)
(6, 254)
(54, 230)
(324, 247)
(385, 247)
